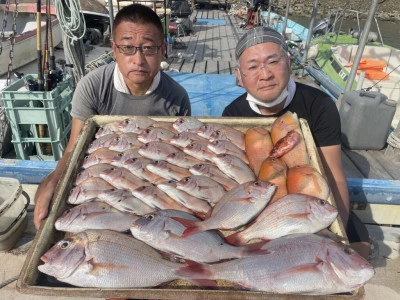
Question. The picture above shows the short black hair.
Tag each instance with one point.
(138, 14)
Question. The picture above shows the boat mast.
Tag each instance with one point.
(111, 15)
(307, 45)
(361, 46)
(286, 17)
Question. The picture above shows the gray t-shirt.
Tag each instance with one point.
(95, 94)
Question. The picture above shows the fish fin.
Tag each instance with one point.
(330, 235)
(302, 270)
(200, 215)
(245, 199)
(191, 227)
(235, 239)
(256, 248)
(298, 216)
(208, 214)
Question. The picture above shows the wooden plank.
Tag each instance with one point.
(224, 67)
(225, 50)
(392, 167)
(349, 168)
(200, 45)
(384, 233)
(200, 67)
(232, 38)
(187, 66)
(216, 42)
(192, 43)
(212, 67)
(208, 42)
(367, 164)
(176, 64)
(377, 213)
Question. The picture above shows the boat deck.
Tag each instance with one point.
(210, 49)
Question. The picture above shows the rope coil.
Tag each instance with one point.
(393, 140)
(73, 25)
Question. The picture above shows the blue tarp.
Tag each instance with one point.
(209, 93)
(211, 21)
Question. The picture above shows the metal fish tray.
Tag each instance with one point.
(31, 281)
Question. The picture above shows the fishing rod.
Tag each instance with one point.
(39, 45)
(45, 66)
(51, 47)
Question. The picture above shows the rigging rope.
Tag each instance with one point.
(73, 25)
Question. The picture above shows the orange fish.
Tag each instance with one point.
(275, 170)
(307, 180)
(258, 145)
(280, 128)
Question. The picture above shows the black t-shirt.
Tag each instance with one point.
(308, 103)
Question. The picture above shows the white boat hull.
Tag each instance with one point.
(25, 47)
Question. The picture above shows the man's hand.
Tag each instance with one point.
(42, 200)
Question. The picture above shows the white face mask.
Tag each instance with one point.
(277, 101)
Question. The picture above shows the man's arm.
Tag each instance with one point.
(332, 162)
(46, 189)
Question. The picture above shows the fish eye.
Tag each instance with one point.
(180, 120)
(150, 217)
(126, 121)
(257, 183)
(112, 169)
(148, 130)
(64, 244)
(86, 157)
(120, 154)
(117, 139)
(347, 250)
(322, 202)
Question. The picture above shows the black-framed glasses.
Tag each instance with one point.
(131, 50)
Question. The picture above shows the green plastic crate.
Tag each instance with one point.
(31, 113)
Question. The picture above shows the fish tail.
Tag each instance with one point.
(198, 274)
(236, 239)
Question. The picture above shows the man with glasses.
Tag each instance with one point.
(134, 85)
(264, 70)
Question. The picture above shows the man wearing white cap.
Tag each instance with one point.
(264, 70)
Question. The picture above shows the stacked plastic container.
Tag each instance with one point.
(40, 121)
(13, 212)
